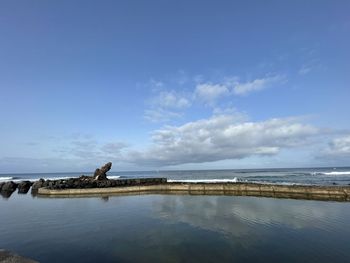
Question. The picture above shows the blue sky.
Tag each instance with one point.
(173, 84)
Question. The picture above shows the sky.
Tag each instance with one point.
(159, 85)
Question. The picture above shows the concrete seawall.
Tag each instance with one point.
(326, 193)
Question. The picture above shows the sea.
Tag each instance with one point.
(303, 176)
(180, 228)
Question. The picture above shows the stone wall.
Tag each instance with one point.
(329, 193)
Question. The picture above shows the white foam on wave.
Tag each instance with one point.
(5, 178)
(14, 179)
(276, 183)
(234, 180)
(338, 173)
(45, 178)
(113, 176)
(57, 178)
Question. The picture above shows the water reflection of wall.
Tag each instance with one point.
(242, 215)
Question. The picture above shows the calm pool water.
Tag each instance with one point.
(174, 228)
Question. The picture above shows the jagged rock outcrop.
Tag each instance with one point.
(24, 186)
(98, 180)
(84, 182)
(9, 187)
(101, 174)
(36, 185)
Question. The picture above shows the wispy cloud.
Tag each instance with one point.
(209, 93)
(160, 115)
(114, 148)
(166, 105)
(170, 99)
(256, 85)
(338, 147)
(81, 146)
(305, 69)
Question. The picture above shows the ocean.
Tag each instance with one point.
(180, 228)
(306, 176)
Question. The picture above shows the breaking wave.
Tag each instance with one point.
(113, 176)
(332, 173)
(6, 178)
(18, 179)
(234, 180)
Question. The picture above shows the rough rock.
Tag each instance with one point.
(9, 187)
(1, 184)
(100, 173)
(9, 257)
(24, 186)
(36, 185)
(98, 180)
(89, 182)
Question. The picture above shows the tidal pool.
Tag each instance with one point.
(175, 228)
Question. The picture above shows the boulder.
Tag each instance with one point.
(100, 174)
(9, 187)
(1, 184)
(37, 185)
(24, 186)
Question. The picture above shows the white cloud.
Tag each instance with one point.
(155, 85)
(339, 147)
(170, 99)
(256, 85)
(165, 106)
(305, 69)
(83, 148)
(209, 93)
(114, 147)
(222, 137)
(160, 115)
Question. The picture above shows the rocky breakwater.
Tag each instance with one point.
(98, 180)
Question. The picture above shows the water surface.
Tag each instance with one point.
(175, 228)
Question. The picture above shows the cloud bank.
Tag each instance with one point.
(222, 137)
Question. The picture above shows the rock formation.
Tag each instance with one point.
(9, 187)
(37, 185)
(24, 186)
(100, 174)
(98, 180)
